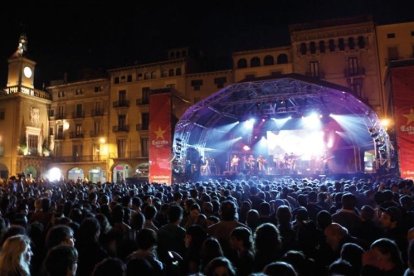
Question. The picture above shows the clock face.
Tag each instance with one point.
(27, 71)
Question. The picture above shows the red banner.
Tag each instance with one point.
(160, 149)
(403, 100)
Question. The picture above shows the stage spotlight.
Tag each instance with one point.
(246, 148)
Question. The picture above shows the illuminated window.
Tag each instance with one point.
(144, 146)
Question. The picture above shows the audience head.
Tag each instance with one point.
(15, 256)
(61, 260)
(220, 266)
(110, 266)
(279, 269)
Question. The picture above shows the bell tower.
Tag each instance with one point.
(21, 70)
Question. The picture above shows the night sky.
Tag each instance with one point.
(66, 36)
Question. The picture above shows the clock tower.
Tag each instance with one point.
(21, 70)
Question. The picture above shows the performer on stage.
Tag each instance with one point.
(261, 163)
(234, 163)
(252, 163)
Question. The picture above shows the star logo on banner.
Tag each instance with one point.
(159, 133)
(410, 116)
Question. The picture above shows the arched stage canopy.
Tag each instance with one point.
(207, 125)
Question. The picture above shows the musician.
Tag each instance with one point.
(234, 163)
(261, 164)
(252, 162)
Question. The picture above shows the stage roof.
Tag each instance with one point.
(277, 97)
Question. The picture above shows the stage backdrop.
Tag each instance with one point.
(160, 149)
(403, 100)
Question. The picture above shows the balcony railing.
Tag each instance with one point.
(124, 128)
(97, 112)
(83, 158)
(318, 75)
(59, 116)
(142, 102)
(74, 135)
(354, 72)
(141, 127)
(78, 114)
(60, 136)
(123, 103)
(27, 91)
(93, 133)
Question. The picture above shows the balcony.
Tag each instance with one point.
(93, 133)
(75, 135)
(97, 112)
(142, 102)
(60, 116)
(84, 158)
(124, 128)
(123, 103)
(78, 114)
(60, 136)
(354, 72)
(317, 75)
(141, 127)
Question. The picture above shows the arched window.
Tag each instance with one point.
(361, 42)
(147, 76)
(268, 60)
(351, 43)
(312, 47)
(303, 48)
(255, 62)
(282, 59)
(242, 63)
(331, 45)
(322, 46)
(341, 44)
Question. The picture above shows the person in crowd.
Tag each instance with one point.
(210, 249)
(383, 258)
(279, 268)
(220, 266)
(61, 260)
(242, 242)
(268, 246)
(347, 216)
(194, 238)
(110, 266)
(15, 256)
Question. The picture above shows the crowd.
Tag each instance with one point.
(282, 226)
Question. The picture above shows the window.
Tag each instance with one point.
(220, 82)
(268, 60)
(78, 129)
(361, 42)
(391, 35)
(322, 46)
(61, 94)
(116, 80)
(242, 63)
(303, 48)
(139, 76)
(312, 47)
(121, 121)
(122, 96)
(145, 95)
(178, 71)
(353, 66)
(2, 114)
(351, 43)
(412, 33)
(129, 78)
(147, 76)
(392, 53)
(144, 146)
(98, 88)
(60, 132)
(341, 44)
(121, 147)
(171, 72)
(79, 111)
(356, 86)
(153, 75)
(332, 45)
(51, 131)
(77, 151)
(78, 91)
(164, 73)
(97, 127)
(196, 84)
(255, 62)
(282, 59)
(314, 68)
(61, 111)
(33, 142)
(145, 120)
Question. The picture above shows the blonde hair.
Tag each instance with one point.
(12, 260)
